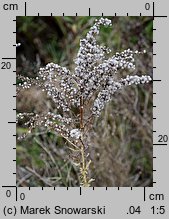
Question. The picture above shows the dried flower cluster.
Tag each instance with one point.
(81, 95)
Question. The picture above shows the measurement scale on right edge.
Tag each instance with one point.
(119, 202)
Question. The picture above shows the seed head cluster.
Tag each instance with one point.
(94, 78)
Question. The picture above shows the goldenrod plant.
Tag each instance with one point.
(81, 95)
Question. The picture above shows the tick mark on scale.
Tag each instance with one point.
(25, 8)
(89, 11)
(8, 58)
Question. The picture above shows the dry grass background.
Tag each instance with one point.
(121, 140)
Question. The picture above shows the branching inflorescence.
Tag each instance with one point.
(80, 96)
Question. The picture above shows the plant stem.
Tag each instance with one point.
(83, 168)
(81, 113)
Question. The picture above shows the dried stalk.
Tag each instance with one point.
(83, 168)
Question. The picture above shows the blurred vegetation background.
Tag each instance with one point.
(122, 137)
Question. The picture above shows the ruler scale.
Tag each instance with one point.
(107, 202)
